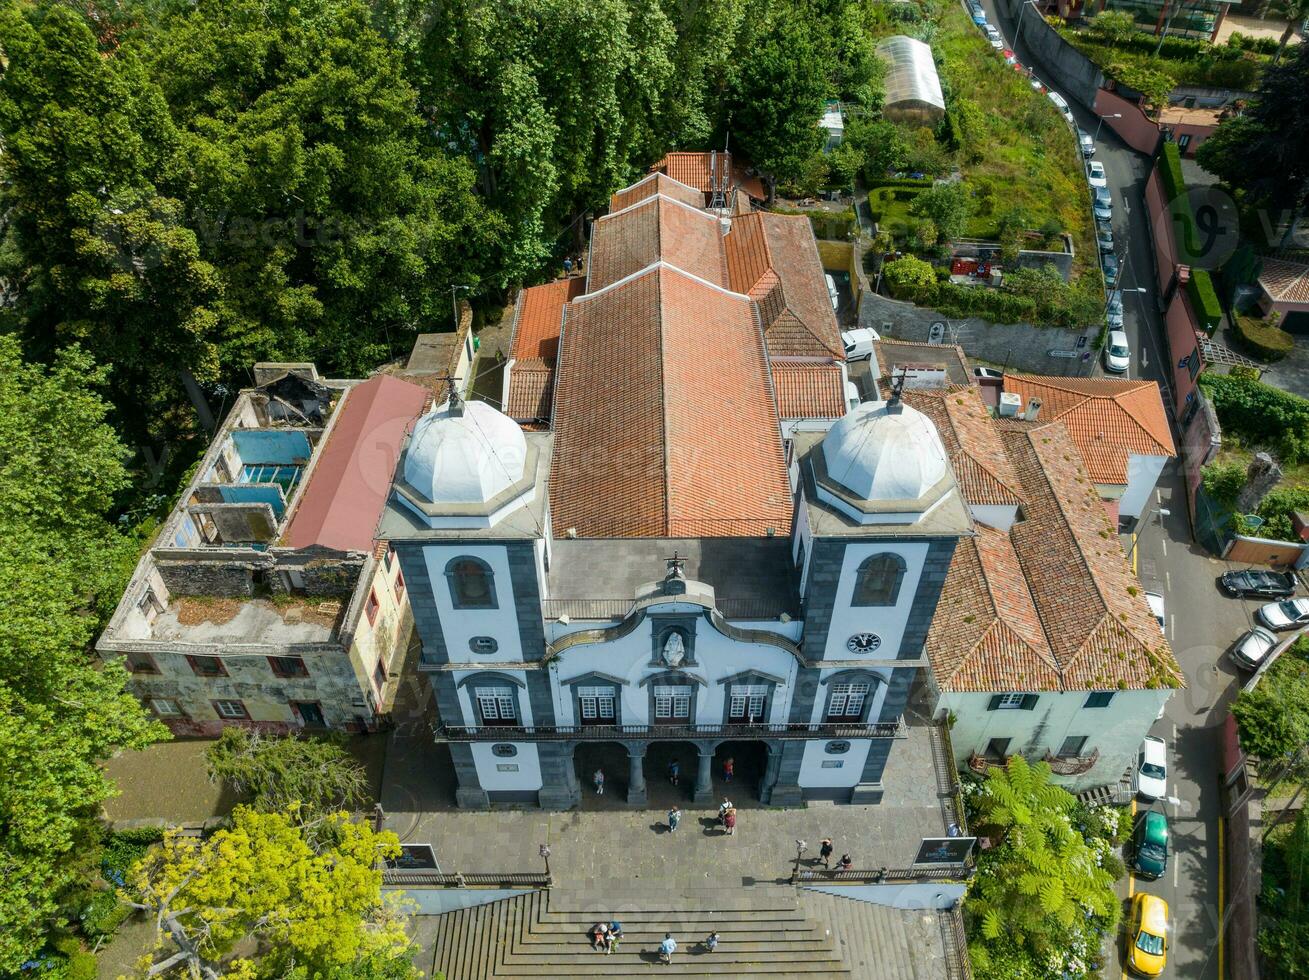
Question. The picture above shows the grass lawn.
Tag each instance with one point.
(1026, 156)
(890, 205)
(1214, 66)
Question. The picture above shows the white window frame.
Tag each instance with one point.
(672, 702)
(1010, 700)
(597, 704)
(846, 700)
(174, 709)
(496, 703)
(748, 701)
(227, 715)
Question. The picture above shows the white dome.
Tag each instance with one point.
(879, 455)
(464, 458)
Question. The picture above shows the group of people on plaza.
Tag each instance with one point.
(605, 937)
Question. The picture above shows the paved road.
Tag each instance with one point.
(1201, 622)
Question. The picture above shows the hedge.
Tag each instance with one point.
(1265, 340)
(1204, 301)
(1170, 170)
(1260, 415)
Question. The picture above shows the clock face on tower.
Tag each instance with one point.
(863, 643)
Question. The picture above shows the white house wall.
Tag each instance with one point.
(1142, 475)
(888, 622)
(459, 626)
(1116, 730)
(819, 769)
(520, 772)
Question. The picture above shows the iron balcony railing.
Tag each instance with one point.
(604, 733)
(424, 878)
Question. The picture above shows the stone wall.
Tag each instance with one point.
(1057, 61)
(1018, 346)
(228, 578)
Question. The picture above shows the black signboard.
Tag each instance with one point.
(414, 857)
(944, 850)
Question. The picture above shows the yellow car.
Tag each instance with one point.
(1148, 935)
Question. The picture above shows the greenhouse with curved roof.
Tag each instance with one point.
(913, 89)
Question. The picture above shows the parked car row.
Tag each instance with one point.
(1147, 924)
(1253, 647)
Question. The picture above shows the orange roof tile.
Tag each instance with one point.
(1110, 419)
(693, 169)
(656, 183)
(537, 316)
(1285, 282)
(636, 453)
(531, 390)
(981, 466)
(652, 229)
(809, 390)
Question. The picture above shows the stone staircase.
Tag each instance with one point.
(762, 931)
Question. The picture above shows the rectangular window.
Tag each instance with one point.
(399, 582)
(1010, 700)
(1099, 699)
(371, 607)
(379, 676)
(141, 663)
(149, 604)
(1073, 745)
(846, 702)
(672, 703)
(231, 709)
(207, 666)
(747, 703)
(596, 705)
(165, 707)
(497, 705)
(288, 667)
(1193, 363)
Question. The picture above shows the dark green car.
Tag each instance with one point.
(1150, 845)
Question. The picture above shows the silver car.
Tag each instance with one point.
(1253, 647)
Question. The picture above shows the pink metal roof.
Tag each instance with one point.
(347, 489)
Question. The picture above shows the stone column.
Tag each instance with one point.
(636, 795)
(770, 772)
(704, 782)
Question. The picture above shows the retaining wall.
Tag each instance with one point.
(1135, 128)
(1058, 62)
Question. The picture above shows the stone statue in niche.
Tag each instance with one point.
(674, 649)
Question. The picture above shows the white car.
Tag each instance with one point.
(1286, 615)
(1095, 175)
(1152, 769)
(1117, 354)
(1086, 143)
(1156, 603)
(1060, 104)
(987, 374)
(1253, 646)
(833, 293)
(859, 343)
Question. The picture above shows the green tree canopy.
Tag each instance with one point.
(281, 771)
(949, 205)
(910, 278)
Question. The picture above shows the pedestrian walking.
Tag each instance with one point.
(825, 852)
(729, 769)
(674, 818)
(667, 948)
(711, 943)
(599, 779)
(674, 771)
(729, 821)
(568, 266)
(845, 864)
(724, 807)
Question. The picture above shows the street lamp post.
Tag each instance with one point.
(545, 856)
(1112, 115)
(454, 302)
(800, 847)
(1018, 31)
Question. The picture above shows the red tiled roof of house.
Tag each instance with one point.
(977, 454)
(653, 229)
(351, 477)
(809, 390)
(1285, 282)
(531, 391)
(635, 453)
(1110, 419)
(773, 258)
(538, 315)
(656, 183)
(693, 168)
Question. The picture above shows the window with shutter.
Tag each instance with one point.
(846, 701)
(596, 705)
(747, 703)
(1010, 700)
(672, 704)
(497, 705)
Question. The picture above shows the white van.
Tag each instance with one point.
(859, 343)
(1061, 104)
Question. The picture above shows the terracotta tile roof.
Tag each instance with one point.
(1091, 605)
(902, 353)
(977, 454)
(655, 228)
(1285, 282)
(531, 391)
(693, 169)
(986, 634)
(773, 258)
(348, 486)
(657, 183)
(653, 437)
(537, 316)
(1109, 418)
(809, 390)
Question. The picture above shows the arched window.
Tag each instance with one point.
(472, 583)
(877, 582)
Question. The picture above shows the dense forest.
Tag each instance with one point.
(189, 187)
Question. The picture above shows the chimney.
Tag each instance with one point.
(1033, 409)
